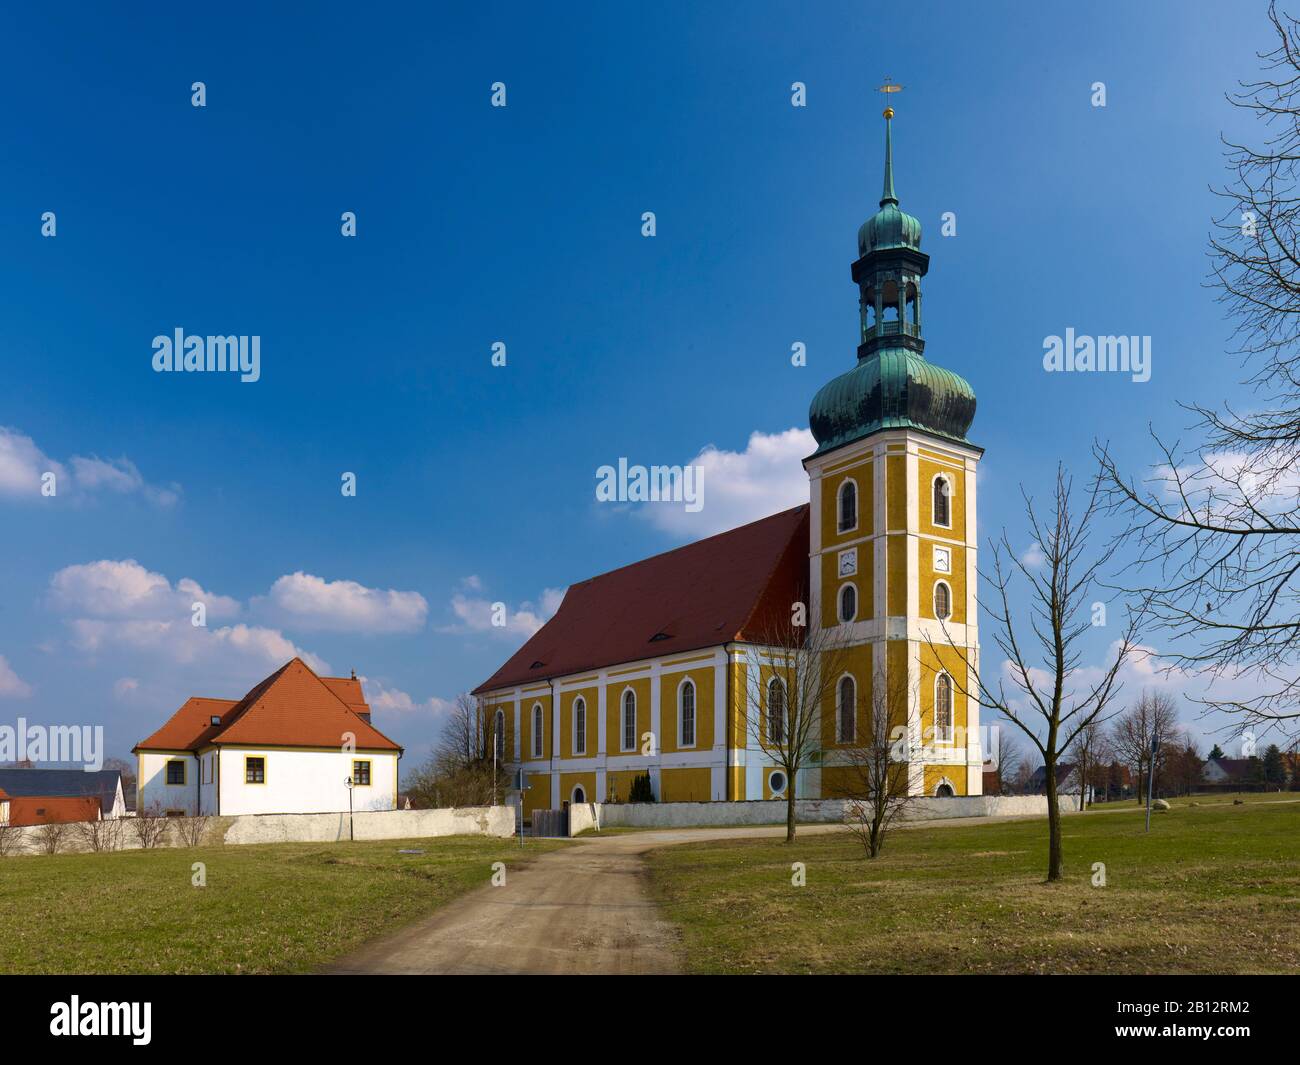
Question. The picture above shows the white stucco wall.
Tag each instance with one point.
(304, 782)
(153, 789)
(808, 811)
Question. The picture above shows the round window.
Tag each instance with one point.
(776, 782)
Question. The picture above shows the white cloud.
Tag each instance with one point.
(393, 700)
(124, 688)
(1033, 556)
(303, 601)
(476, 613)
(125, 589)
(11, 685)
(740, 486)
(23, 464)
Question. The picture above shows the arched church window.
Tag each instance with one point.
(539, 729)
(686, 714)
(775, 711)
(848, 506)
(629, 720)
(943, 708)
(499, 735)
(848, 603)
(942, 601)
(847, 710)
(941, 493)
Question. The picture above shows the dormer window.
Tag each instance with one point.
(660, 636)
(537, 665)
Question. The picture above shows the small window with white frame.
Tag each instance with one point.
(361, 774)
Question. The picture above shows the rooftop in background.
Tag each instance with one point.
(293, 707)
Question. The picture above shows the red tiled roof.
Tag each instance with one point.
(293, 707)
(48, 809)
(724, 588)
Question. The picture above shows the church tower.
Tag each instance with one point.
(893, 541)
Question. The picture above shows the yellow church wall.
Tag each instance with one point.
(591, 696)
(954, 774)
(508, 714)
(537, 796)
(956, 580)
(526, 728)
(736, 782)
(685, 785)
(857, 662)
(669, 711)
(861, 472)
(926, 471)
(618, 783)
(896, 492)
(896, 575)
(864, 581)
(614, 690)
(568, 781)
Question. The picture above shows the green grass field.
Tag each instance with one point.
(275, 908)
(1212, 889)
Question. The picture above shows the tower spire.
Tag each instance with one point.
(887, 196)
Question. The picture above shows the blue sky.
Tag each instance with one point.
(523, 225)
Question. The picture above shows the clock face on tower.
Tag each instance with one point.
(942, 560)
(849, 562)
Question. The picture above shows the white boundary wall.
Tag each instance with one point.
(807, 811)
(494, 821)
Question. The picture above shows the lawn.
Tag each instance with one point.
(274, 908)
(1212, 889)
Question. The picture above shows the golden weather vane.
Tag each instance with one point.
(887, 88)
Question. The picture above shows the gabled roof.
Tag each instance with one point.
(65, 783)
(729, 587)
(293, 707)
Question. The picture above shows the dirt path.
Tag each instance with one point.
(582, 909)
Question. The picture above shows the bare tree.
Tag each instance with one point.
(873, 772)
(1087, 752)
(1048, 707)
(460, 771)
(149, 826)
(799, 667)
(1010, 759)
(1154, 714)
(1217, 527)
(102, 834)
(191, 830)
(12, 840)
(50, 835)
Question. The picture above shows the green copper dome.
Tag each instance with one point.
(892, 386)
(892, 389)
(889, 227)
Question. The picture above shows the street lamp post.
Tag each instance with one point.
(348, 784)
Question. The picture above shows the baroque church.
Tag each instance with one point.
(884, 554)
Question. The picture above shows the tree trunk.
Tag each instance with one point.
(789, 809)
(1053, 828)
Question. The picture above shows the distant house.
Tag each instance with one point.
(288, 746)
(103, 785)
(1067, 780)
(1232, 772)
(4, 808)
(46, 809)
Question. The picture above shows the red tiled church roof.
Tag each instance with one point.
(293, 707)
(732, 586)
